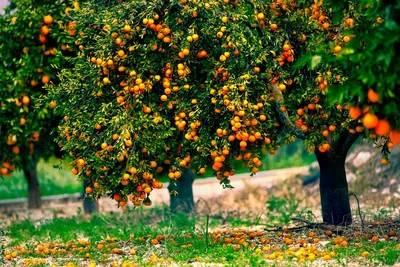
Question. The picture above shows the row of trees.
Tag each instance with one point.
(142, 88)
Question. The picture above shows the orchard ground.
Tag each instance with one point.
(246, 227)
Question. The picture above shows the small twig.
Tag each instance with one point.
(359, 210)
(206, 237)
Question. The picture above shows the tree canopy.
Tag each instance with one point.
(32, 33)
(195, 84)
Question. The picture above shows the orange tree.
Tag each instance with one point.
(32, 33)
(367, 51)
(193, 84)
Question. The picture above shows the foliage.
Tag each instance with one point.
(369, 56)
(173, 84)
(33, 34)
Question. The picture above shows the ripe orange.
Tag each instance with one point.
(104, 146)
(22, 121)
(75, 171)
(45, 30)
(53, 104)
(355, 112)
(300, 112)
(395, 136)
(384, 161)
(370, 121)
(117, 197)
(337, 49)
(282, 87)
(243, 144)
(26, 100)
(15, 150)
(128, 143)
(127, 28)
(326, 146)
(88, 190)
(273, 27)
(286, 47)
(311, 106)
(382, 128)
(80, 163)
(48, 19)
(373, 96)
(349, 22)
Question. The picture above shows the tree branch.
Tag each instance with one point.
(284, 116)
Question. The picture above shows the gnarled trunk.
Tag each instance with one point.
(334, 189)
(29, 166)
(333, 182)
(183, 201)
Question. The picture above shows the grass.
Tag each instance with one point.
(148, 237)
(54, 181)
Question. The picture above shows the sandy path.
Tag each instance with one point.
(203, 189)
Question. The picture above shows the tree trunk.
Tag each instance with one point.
(29, 166)
(333, 182)
(90, 205)
(183, 201)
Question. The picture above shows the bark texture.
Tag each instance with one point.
(333, 182)
(29, 167)
(183, 201)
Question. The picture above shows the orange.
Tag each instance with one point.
(53, 104)
(80, 163)
(127, 28)
(282, 87)
(372, 96)
(384, 161)
(88, 190)
(382, 128)
(346, 39)
(45, 30)
(104, 146)
(395, 136)
(337, 49)
(15, 150)
(26, 100)
(370, 121)
(311, 106)
(117, 197)
(128, 143)
(355, 112)
(48, 19)
(300, 112)
(75, 171)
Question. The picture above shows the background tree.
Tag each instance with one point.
(32, 33)
(232, 77)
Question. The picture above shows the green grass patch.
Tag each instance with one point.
(153, 236)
